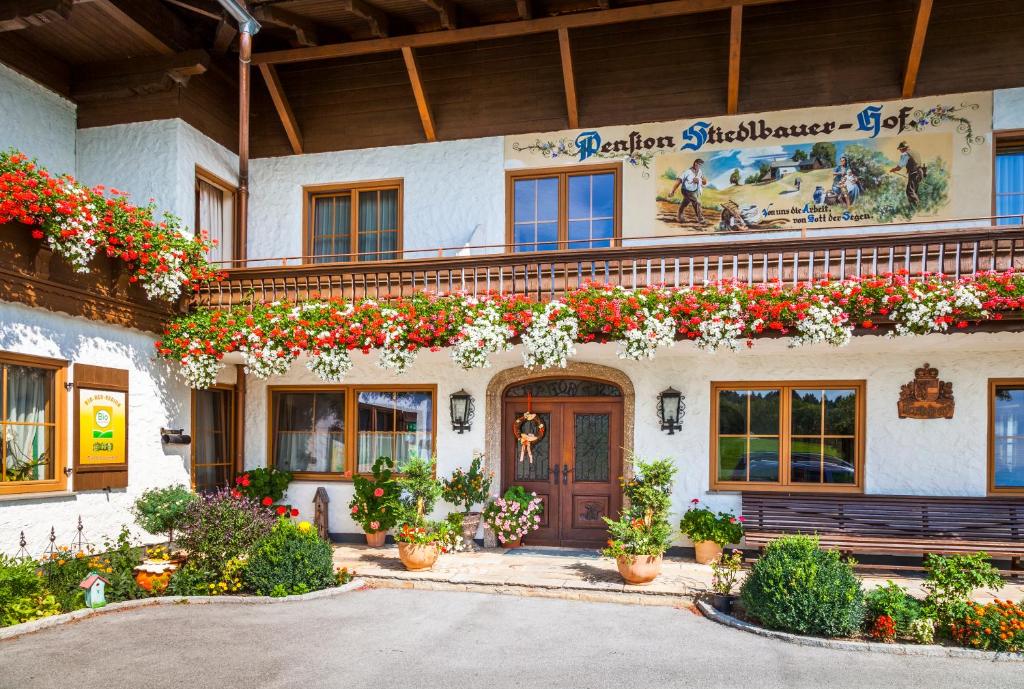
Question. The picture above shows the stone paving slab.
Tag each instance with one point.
(570, 576)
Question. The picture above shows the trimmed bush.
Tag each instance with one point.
(292, 559)
(798, 587)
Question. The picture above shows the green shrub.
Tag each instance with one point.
(290, 560)
(217, 528)
(894, 601)
(951, 581)
(117, 564)
(159, 510)
(798, 587)
(23, 596)
(63, 571)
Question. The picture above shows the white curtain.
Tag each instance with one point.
(215, 216)
(28, 446)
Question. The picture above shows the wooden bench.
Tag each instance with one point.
(890, 524)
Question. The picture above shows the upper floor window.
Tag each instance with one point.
(1009, 182)
(566, 209)
(31, 444)
(355, 222)
(215, 215)
(1006, 436)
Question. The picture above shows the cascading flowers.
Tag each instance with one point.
(713, 316)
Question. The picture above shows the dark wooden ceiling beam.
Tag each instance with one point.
(447, 12)
(569, 78)
(37, 64)
(419, 94)
(735, 42)
(204, 8)
(21, 14)
(658, 10)
(306, 32)
(224, 35)
(525, 9)
(151, 22)
(378, 19)
(136, 76)
(284, 109)
(924, 11)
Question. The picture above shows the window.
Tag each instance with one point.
(327, 431)
(577, 209)
(215, 214)
(213, 438)
(805, 435)
(1006, 436)
(31, 444)
(1009, 182)
(360, 222)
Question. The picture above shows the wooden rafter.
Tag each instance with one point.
(447, 12)
(151, 22)
(284, 109)
(735, 41)
(204, 8)
(658, 10)
(306, 32)
(38, 65)
(924, 11)
(374, 16)
(21, 14)
(223, 35)
(419, 94)
(525, 9)
(137, 76)
(569, 78)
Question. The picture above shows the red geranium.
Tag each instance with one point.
(267, 501)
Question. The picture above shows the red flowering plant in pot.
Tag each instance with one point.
(376, 504)
(710, 531)
(267, 487)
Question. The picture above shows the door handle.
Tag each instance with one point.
(565, 474)
(555, 472)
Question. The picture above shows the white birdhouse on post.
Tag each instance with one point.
(94, 586)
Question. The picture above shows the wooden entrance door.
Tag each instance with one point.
(575, 468)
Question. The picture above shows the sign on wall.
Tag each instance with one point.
(101, 427)
(926, 159)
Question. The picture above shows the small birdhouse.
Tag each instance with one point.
(94, 586)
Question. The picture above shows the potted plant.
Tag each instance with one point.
(375, 504)
(639, 538)
(724, 573)
(465, 489)
(420, 544)
(710, 531)
(418, 489)
(513, 515)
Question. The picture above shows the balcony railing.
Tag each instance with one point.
(548, 274)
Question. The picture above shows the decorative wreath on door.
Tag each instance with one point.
(526, 438)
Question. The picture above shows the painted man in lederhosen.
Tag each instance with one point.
(915, 172)
(692, 181)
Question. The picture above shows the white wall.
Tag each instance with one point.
(903, 456)
(37, 121)
(156, 399)
(454, 193)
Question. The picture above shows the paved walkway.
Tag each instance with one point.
(553, 573)
(412, 639)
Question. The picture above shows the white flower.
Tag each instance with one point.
(199, 371)
(823, 322)
(477, 340)
(330, 365)
(641, 343)
(549, 340)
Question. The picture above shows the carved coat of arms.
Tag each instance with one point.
(926, 397)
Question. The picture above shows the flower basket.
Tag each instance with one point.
(639, 570)
(155, 576)
(512, 542)
(417, 556)
(376, 539)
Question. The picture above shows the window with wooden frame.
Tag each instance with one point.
(564, 208)
(333, 432)
(33, 424)
(804, 435)
(1006, 435)
(216, 215)
(353, 222)
(213, 437)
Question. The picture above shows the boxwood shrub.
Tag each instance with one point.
(292, 559)
(798, 587)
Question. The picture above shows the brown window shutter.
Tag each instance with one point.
(110, 386)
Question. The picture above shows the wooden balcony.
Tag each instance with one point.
(548, 274)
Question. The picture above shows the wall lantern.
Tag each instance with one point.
(175, 436)
(670, 410)
(462, 409)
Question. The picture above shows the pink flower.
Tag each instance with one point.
(355, 509)
(377, 492)
(694, 501)
(742, 519)
(375, 526)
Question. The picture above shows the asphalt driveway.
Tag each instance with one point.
(402, 638)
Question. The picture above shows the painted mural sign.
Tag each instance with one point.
(873, 163)
(102, 435)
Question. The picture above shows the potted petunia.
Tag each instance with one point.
(513, 516)
(639, 538)
(710, 531)
(375, 504)
(466, 489)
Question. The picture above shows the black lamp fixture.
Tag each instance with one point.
(461, 405)
(670, 410)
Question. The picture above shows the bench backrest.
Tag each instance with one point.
(893, 516)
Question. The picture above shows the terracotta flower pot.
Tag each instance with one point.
(639, 569)
(154, 576)
(376, 539)
(707, 552)
(512, 543)
(470, 525)
(416, 557)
